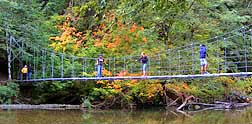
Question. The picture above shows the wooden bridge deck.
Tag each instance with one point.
(164, 77)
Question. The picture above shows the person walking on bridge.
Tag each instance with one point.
(29, 74)
(99, 63)
(144, 60)
(203, 61)
(24, 71)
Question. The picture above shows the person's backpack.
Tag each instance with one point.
(24, 70)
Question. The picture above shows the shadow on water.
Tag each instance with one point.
(145, 116)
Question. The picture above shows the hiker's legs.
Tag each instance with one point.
(144, 69)
(203, 66)
(99, 71)
(202, 70)
(29, 75)
(25, 76)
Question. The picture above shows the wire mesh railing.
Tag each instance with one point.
(227, 53)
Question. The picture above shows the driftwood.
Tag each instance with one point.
(41, 107)
(186, 102)
(189, 104)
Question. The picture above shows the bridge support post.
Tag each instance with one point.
(8, 41)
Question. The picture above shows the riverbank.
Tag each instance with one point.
(128, 94)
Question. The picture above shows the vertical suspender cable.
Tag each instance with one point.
(250, 30)
(86, 66)
(109, 65)
(72, 69)
(34, 63)
(52, 64)
(225, 54)
(159, 64)
(124, 64)
(22, 56)
(43, 63)
(179, 61)
(218, 56)
(114, 72)
(130, 66)
(193, 68)
(83, 66)
(245, 48)
(62, 65)
(149, 65)
(170, 62)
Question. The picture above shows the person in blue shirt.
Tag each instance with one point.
(203, 61)
(144, 60)
(99, 63)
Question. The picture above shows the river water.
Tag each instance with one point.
(146, 116)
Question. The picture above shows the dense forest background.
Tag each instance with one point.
(88, 28)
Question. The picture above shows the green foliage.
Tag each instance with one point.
(61, 92)
(86, 103)
(243, 86)
(7, 93)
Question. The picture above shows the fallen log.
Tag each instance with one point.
(216, 105)
(39, 107)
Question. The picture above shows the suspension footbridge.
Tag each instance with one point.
(229, 54)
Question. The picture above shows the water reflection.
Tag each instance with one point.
(149, 116)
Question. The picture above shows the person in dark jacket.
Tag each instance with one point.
(144, 61)
(29, 71)
(203, 61)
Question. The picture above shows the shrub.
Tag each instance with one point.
(8, 92)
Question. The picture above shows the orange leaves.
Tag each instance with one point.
(133, 28)
(152, 89)
(69, 35)
(141, 28)
(117, 37)
(77, 34)
(122, 73)
(144, 39)
(106, 72)
(114, 44)
(179, 87)
(98, 43)
(131, 83)
(110, 16)
(102, 26)
(226, 80)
